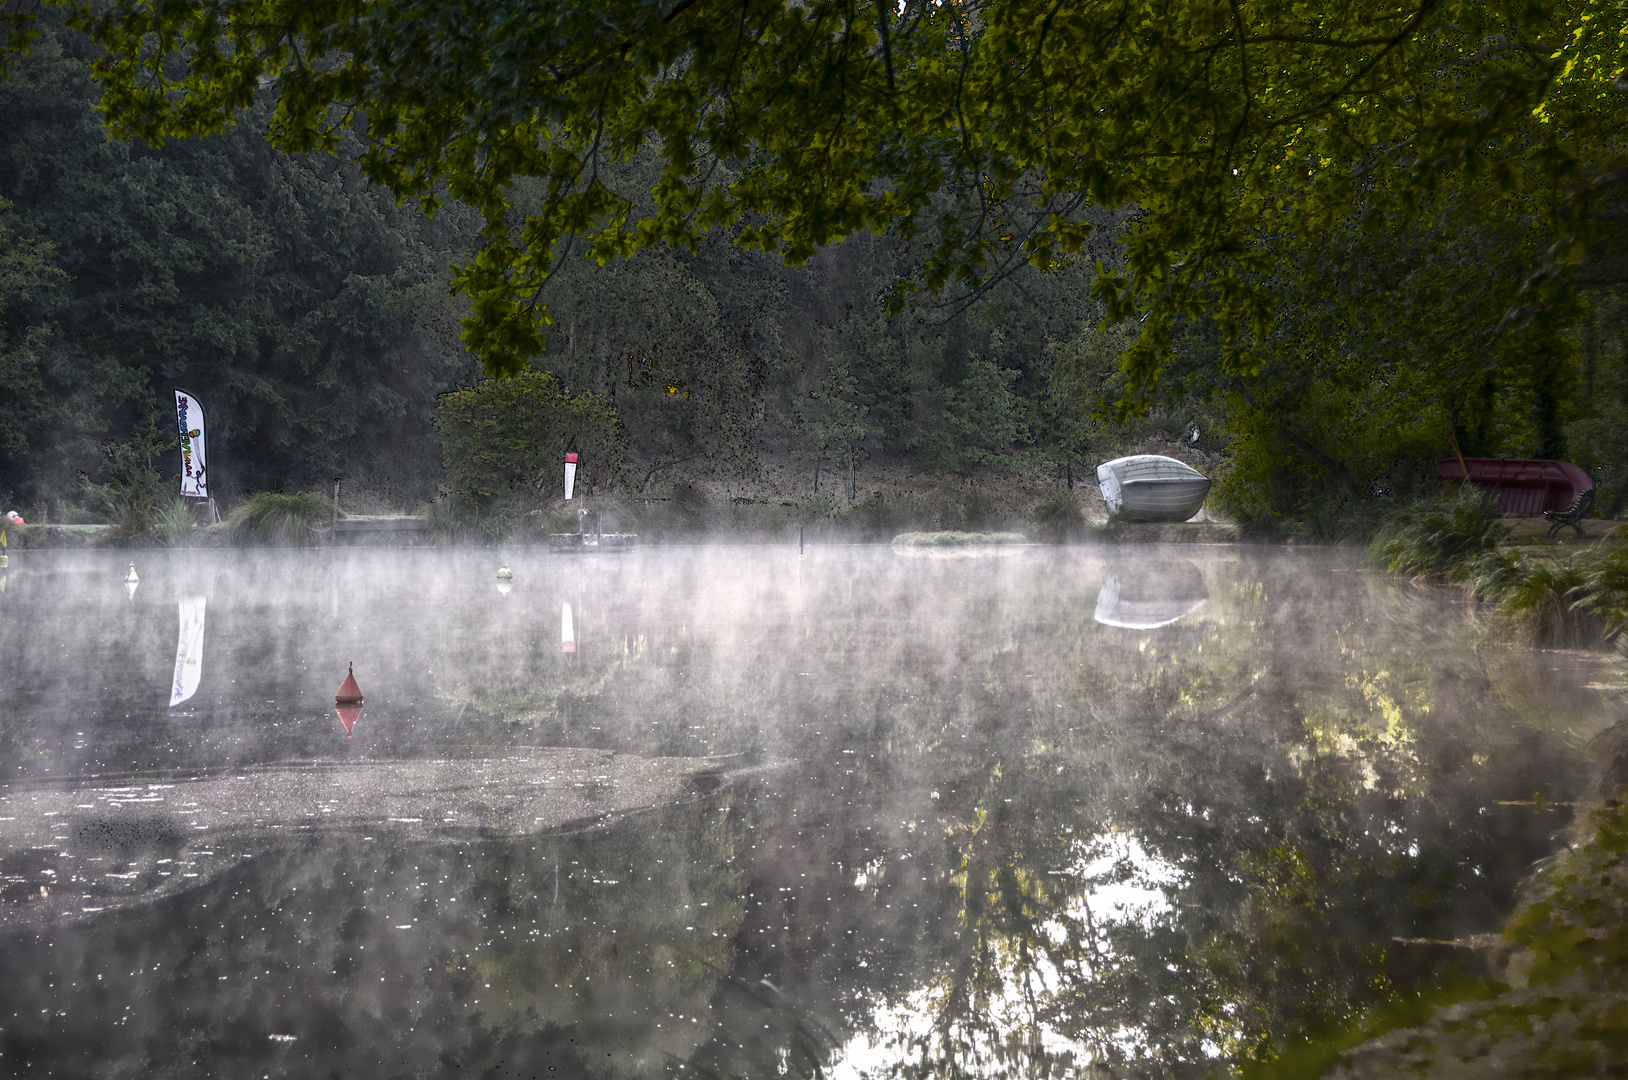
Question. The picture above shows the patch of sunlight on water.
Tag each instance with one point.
(1123, 885)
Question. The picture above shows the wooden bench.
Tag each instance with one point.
(1572, 515)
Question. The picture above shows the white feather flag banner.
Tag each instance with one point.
(189, 419)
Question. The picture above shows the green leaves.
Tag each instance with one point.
(831, 421)
(978, 423)
(508, 434)
(988, 125)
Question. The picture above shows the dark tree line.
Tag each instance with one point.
(313, 316)
(305, 310)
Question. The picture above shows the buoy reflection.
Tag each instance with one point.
(348, 715)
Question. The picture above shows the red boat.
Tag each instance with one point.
(1525, 487)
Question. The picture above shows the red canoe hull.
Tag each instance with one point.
(1525, 487)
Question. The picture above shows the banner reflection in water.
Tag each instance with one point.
(188, 650)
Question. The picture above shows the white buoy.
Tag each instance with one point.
(131, 580)
(505, 578)
(570, 475)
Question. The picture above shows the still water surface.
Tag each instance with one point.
(722, 811)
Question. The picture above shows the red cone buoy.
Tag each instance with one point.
(349, 692)
(348, 715)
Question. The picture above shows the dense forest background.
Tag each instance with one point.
(312, 317)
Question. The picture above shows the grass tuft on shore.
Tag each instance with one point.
(271, 518)
(1441, 537)
(957, 539)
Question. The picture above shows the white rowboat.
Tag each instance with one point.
(1151, 487)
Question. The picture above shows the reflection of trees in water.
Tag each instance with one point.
(1320, 788)
(1278, 785)
(1295, 768)
(592, 952)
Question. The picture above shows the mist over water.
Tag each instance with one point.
(689, 809)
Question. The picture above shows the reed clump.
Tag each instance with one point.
(957, 539)
(1555, 598)
(1058, 517)
(271, 518)
(1551, 601)
(1548, 596)
(175, 523)
(1440, 538)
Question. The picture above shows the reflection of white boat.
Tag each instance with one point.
(1150, 487)
(1151, 599)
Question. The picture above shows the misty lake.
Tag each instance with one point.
(1119, 811)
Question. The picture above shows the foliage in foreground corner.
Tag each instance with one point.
(1577, 927)
(991, 128)
(1558, 1007)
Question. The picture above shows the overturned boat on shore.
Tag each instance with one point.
(1152, 487)
(1524, 487)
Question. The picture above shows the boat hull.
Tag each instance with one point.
(1151, 487)
(1163, 500)
(1525, 487)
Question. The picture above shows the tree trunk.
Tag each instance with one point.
(1591, 354)
(850, 476)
